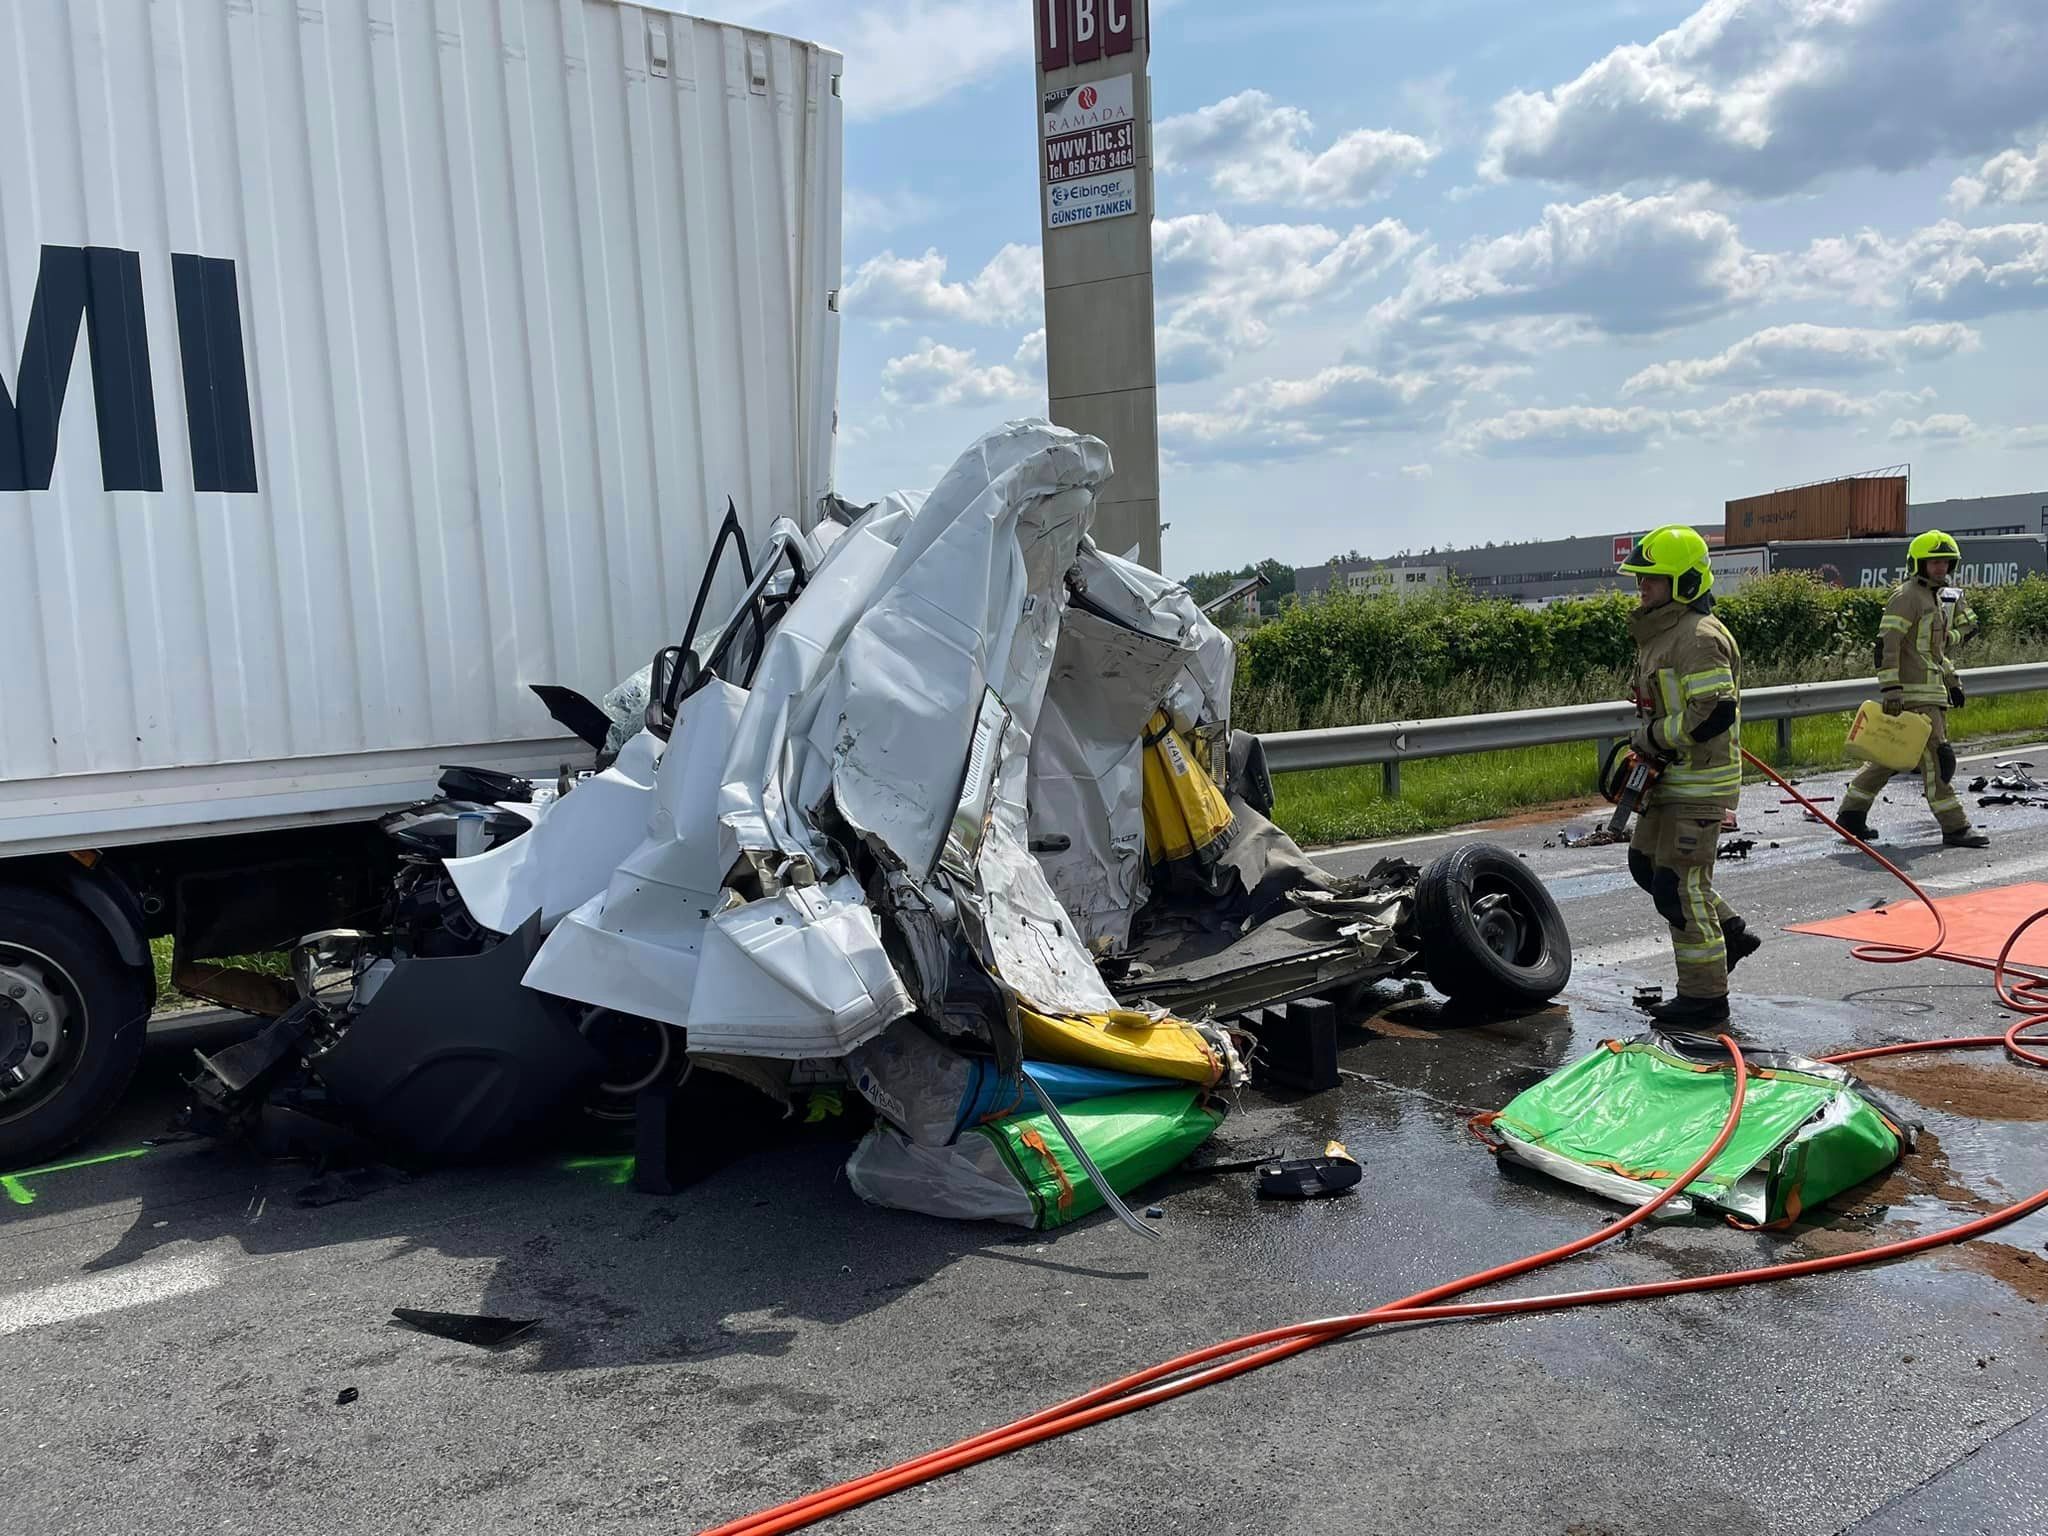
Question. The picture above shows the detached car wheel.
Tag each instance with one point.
(72, 1022)
(1489, 932)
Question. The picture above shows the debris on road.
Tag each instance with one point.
(1614, 1121)
(1738, 847)
(1311, 1178)
(346, 1396)
(480, 1329)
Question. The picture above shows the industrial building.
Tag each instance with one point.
(1543, 570)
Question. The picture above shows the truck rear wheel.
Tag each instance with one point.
(72, 1022)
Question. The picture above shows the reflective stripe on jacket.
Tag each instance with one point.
(1913, 645)
(1689, 688)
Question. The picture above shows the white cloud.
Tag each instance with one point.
(1575, 430)
(1611, 265)
(1031, 350)
(1282, 418)
(1944, 269)
(1944, 427)
(1769, 96)
(1254, 150)
(2013, 177)
(1805, 351)
(1567, 431)
(2025, 437)
(894, 289)
(904, 54)
(878, 213)
(939, 375)
(1417, 471)
(1219, 284)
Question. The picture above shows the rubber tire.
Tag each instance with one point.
(1459, 962)
(116, 1007)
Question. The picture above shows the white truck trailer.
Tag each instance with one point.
(365, 362)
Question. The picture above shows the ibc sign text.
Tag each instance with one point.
(1082, 31)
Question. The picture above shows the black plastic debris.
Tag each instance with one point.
(1737, 847)
(1297, 1044)
(484, 1331)
(346, 1396)
(1311, 1178)
(1648, 997)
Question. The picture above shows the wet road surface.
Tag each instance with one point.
(175, 1329)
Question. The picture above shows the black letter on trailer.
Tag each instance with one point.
(103, 287)
(216, 379)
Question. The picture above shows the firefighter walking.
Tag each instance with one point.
(1914, 673)
(1688, 682)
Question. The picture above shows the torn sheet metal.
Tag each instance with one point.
(572, 850)
(800, 972)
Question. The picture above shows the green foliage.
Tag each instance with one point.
(1349, 659)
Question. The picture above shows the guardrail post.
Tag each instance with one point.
(1602, 745)
(1784, 741)
(1390, 779)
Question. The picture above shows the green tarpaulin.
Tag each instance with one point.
(1133, 1138)
(1629, 1118)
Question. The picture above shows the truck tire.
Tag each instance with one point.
(1488, 930)
(72, 1022)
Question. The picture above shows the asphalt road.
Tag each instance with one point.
(175, 1328)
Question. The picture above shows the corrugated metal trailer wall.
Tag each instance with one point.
(524, 290)
(1860, 507)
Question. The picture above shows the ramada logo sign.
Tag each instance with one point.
(1088, 98)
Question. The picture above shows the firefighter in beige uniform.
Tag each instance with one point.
(1688, 688)
(1914, 672)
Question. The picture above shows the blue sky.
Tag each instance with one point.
(1435, 273)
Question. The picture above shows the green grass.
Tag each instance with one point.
(169, 999)
(1336, 805)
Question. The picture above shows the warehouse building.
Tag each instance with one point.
(1543, 570)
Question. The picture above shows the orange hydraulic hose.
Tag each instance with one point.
(1171, 1378)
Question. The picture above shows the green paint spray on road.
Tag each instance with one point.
(13, 1185)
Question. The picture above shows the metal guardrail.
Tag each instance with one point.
(1393, 743)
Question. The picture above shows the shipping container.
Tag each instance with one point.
(365, 363)
(1855, 507)
(425, 346)
(1881, 563)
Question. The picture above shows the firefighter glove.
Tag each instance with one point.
(1956, 696)
(1894, 702)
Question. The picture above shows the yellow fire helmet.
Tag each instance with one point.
(1931, 545)
(1675, 551)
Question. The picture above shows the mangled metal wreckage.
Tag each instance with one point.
(948, 809)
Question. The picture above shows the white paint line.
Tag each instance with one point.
(122, 1288)
(2016, 750)
(1399, 842)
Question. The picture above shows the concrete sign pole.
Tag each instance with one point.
(1095, 185)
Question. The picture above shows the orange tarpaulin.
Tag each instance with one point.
(1979, 923)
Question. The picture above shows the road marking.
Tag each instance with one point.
(1399, 842)
(139, 1287)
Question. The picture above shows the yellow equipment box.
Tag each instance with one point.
(1891, 741)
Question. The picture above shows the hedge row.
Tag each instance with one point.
(1783, 622)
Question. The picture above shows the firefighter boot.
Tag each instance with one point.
(1741, 942)
(1694, 1013)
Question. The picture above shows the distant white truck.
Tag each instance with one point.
(363, 365)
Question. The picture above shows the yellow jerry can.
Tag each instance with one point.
(1891, 741)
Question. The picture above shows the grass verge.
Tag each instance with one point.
(1337, 805)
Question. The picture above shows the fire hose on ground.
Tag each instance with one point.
(2024, 993)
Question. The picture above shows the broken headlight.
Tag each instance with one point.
(324, 967)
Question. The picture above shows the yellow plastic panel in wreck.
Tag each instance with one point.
(1122, 1041)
